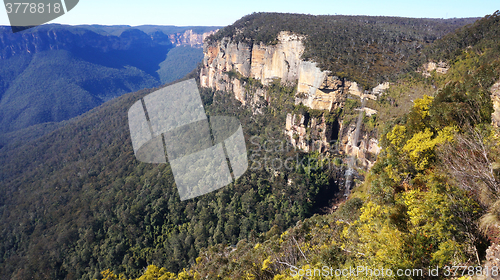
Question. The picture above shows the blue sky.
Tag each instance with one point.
(223, 12)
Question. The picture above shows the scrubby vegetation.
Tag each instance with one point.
(430, 201)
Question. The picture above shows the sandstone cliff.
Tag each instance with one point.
(231, 66)
(316, 89)
(316, 134)
(311, 134)
(440, 68)
(257, 61)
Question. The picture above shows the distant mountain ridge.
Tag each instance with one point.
(55, 72)
(104, 38)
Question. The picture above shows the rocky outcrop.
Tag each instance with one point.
(236, 67)
(257, 61)
(315, 134)
(378, 90)
(495, 97)
(310, 134)
(366, 150)
(440, 68)
(492, 260)
(316, 89)
(368, 111)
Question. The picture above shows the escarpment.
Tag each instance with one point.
(227, 62)
(248, 69)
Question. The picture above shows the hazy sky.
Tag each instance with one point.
(223, 12)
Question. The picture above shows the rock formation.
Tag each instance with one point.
(440, 67)
(230, 66)
(495, 97)
(310, 134)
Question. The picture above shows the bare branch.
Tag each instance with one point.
(468, 161)
(289, 265)
(300, 249)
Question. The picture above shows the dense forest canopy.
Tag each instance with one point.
(77, 201)
(429, 203)
(76, 204)
(482, 35)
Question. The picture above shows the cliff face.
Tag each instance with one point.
(365, 150)
(310, 134)
(256, 61)
(316, 134)
(226, 62)
(316, 89)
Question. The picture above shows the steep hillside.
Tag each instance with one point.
(429, 206)
(76, 200)
(480, 36)
(58, 85)
(179, 62)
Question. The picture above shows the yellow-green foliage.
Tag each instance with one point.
(397, 135)
(154, 273)
(109, 275)
(422, 106)
(421, 146)
(419, 229)
(430, 213)
(380, 241)
(399, 98)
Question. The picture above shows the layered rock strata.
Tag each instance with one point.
(231, 66)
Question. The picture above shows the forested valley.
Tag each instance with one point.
(76, 204)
